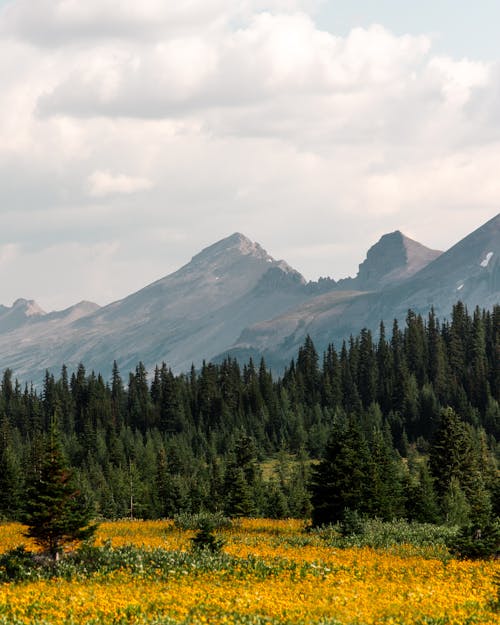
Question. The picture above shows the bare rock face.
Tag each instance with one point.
(393, 259)
(469, 271)
(19, 314)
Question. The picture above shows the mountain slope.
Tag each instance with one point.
(233, 297)
(181, 318)
(393, 259)
(21, 312)
(469, 271)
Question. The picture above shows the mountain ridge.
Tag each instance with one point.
(235, 298)
(475, 259)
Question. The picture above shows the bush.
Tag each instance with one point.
(474, 542)
(17, 564)
(217, 520)
(205, 539)
(352, 524)
(356, 531)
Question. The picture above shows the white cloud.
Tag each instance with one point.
(459, 78)
(8, 254)
(273, 56)
(232, 115)
(102, 183)
(53, 23)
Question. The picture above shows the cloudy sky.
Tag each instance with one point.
(132, 134)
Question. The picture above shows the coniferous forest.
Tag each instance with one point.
(404, 424)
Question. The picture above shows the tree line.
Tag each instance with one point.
(404, 424)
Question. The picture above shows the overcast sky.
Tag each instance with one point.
(133, 134)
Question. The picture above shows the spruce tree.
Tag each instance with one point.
(386, 497)
(421, 501)
(56, 513)
(452, 453)
(11, 483)
(341, 481)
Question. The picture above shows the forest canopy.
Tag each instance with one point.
(413, 413)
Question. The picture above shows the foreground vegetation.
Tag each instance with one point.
(388, 452)
(147, 573)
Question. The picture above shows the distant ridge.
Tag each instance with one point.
(469, 271)
(235, 298)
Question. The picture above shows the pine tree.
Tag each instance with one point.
(421, 501)
(386, 499)
(455, 505)
(307, 368)
(455, 467)
(56, 513)
(242, 480)
(238, 499)
(11, 483)
(452, 454)
(341, 481)
(367, 369)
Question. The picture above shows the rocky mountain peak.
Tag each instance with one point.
(27, 306)
(21, 312)
(232, 246)
(392, 259)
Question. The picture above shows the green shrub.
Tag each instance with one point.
(356, 531)
(17, 564)
(206, 539)
(474, 542)
(187, 521)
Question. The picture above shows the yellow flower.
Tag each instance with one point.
(277, 573)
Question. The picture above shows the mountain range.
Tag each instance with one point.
(234, 298)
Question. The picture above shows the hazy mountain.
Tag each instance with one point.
(182, 318)
(73, 313)
(21, 312)
(394, 258)
(233, 297)
(469, 271)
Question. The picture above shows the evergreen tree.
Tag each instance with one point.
(452, 453)
(454, 465)
(386, 497)
(11, 483)
(367, 369)
(341, 481)
(421, 501)
(308, 370)
(455, 506)
(55, 512)
(242, 480)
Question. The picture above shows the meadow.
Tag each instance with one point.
(146, 573)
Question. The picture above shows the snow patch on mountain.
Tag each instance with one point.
(487, 258)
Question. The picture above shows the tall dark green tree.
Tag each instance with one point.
(56, 514)
(386, 491)
(421, 500)
(11, 475)
(341, 481)
(454, 465)
(242, 480)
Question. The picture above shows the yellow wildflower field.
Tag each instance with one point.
(273, 573)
